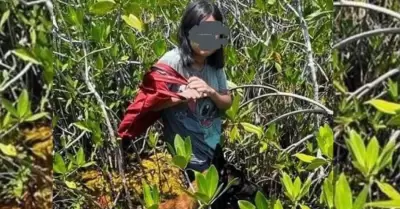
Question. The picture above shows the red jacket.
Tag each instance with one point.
(153, 91)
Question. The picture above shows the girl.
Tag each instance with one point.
(198, 117)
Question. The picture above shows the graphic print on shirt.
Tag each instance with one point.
(207, 116)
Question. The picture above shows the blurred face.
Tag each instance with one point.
(196, 46)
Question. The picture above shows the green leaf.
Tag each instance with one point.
(81, 125)
(225, 188)
(202, 184)
(25, 55)
(296, 187)
(393, 88)
(70, 184)
(384, 106)
(179, 146)
(328, 191)
(37, 116)
(102, 7)
(159, 47)
(233, 110)
(133, 21)
(287, 182)
(59, 165)
(394, 121)
(278, 205)
(384, 204)
(88, 164)
(155, 194)
(99, 62)
(155, 206)
(304, 207)
(373, 153)
(23, 104)
(188, 149)
(386, 155)
(75, 16)
(278, 67)
(202, 197)
(124, 58)
(234, 133)
(253, 129)
(343, 195)
(148, 199)
(243, 204)
(357, 148)
(7, 120)
(305, 188)
(339, 87)
(153, 137)
(80, 157)
(9, 107)
(260, 4)
(305, 158)
(389, 190)
(362, 198)
(212, 178)
(180, 161)
(261, 201)
(4, 18)
(263, 147)
(8, 149)
(325, 140)
(316, 163)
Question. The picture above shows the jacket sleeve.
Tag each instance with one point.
(139, 115)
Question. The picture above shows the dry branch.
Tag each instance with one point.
(365, 35)
(364, 89)
(327, 110)
(345, 3)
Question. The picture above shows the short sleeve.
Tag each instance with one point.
(170, 58)
(222, 81)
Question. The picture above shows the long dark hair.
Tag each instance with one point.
(195, 12)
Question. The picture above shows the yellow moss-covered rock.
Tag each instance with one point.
(158, 170)
(93, 180)
(155, 170)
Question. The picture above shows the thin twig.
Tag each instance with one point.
(254, 86)
(93, 52)
(293, 146)
(49, 6)
(394, 135)
(108, 123)
(364, 89)
(309, 51)
(99, 100)
(20, 74)
(367, 6)
(327, 110)
(295, 112)
(365, 35)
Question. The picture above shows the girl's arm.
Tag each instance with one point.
(189, 94)
(223, 101)
(172, 102)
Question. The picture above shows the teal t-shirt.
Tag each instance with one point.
(201, 120)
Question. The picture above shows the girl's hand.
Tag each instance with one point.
(190, 94)
(201, 86)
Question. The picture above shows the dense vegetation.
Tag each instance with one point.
(315, 128)
(366, 79)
